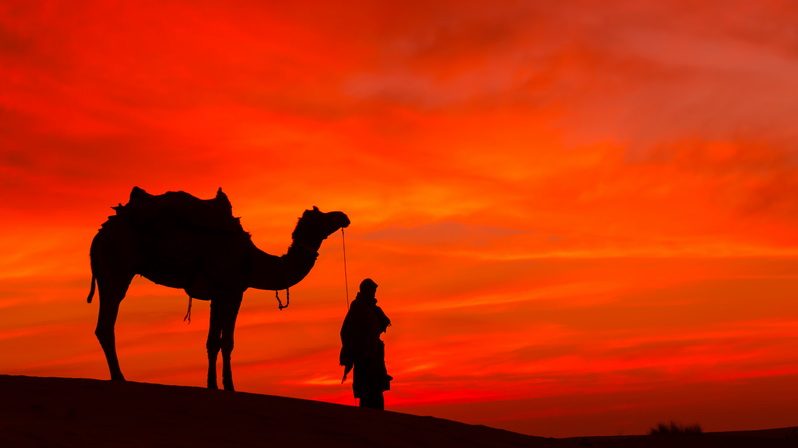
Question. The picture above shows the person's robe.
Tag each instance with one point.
(362, 347)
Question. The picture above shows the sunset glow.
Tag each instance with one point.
(582, 215)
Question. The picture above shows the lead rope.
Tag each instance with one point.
(280, 305)
(187, 317)
(346, 279)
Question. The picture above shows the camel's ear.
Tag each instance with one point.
(315, 209)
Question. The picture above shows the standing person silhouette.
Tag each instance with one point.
(362, 348)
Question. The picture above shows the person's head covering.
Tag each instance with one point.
(368, 285)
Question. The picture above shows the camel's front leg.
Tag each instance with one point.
(214, 342)
(228, 328)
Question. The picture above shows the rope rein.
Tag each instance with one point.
(187, 317)
(346, 278)
(280, 305)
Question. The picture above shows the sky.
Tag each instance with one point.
(581, 214)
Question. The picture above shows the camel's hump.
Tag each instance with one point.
(139, 196)
(174, 209)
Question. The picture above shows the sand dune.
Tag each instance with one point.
(61, 412)
(91, 413)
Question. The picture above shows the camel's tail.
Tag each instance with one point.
(91, 291)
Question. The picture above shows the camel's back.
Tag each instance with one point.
(176, 211)
(177, 240)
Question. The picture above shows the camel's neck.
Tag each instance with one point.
(273, 272)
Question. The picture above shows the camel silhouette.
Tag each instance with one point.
(180, 241)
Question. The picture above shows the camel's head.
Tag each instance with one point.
(315, 225)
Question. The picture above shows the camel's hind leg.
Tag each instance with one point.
(112, 291)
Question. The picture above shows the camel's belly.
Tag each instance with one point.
(203, 274)
(203, 287)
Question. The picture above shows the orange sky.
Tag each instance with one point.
(583, 220)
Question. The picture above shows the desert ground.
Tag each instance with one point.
(67, 412)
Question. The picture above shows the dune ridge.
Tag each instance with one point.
(88, 413)
(77, 412)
